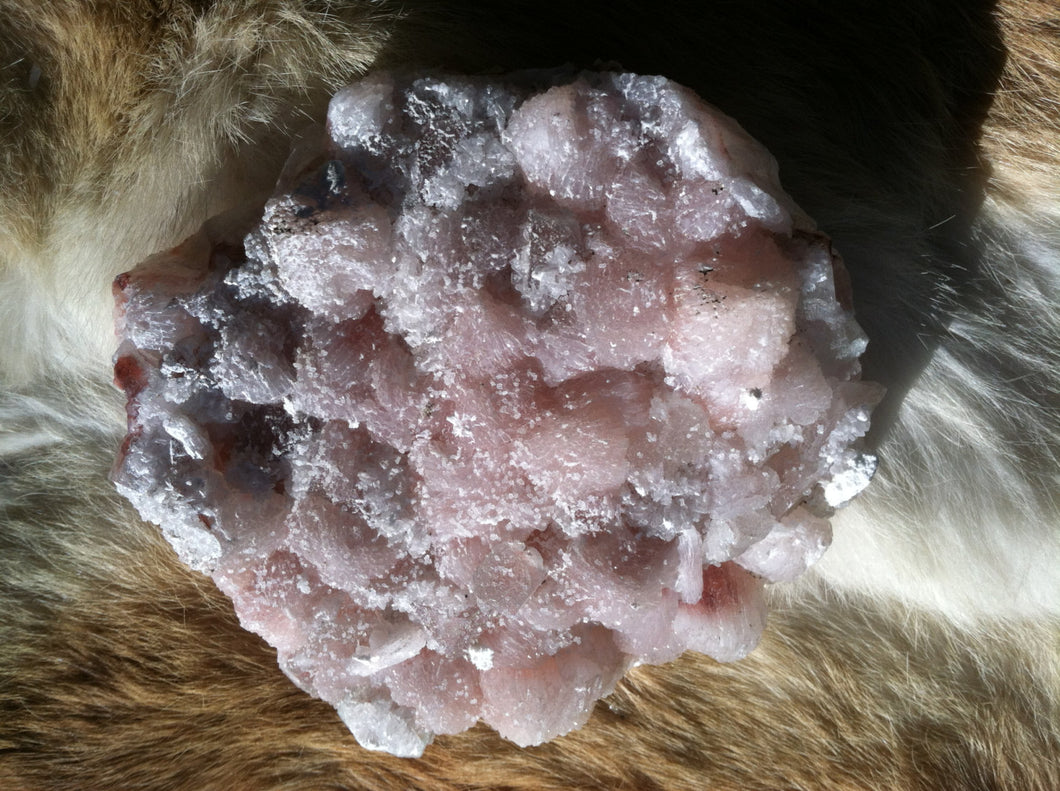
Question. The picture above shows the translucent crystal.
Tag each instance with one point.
(510, 388)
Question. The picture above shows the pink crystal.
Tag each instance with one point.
(508, 390)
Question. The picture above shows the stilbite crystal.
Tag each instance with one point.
(516, 383)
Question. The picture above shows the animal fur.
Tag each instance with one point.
(924, 651)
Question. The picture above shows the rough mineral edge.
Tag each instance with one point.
(513, 386)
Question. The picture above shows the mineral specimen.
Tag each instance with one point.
(517, 383)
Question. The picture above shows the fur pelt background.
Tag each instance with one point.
(923, 135)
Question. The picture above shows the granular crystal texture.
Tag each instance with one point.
(517, 383)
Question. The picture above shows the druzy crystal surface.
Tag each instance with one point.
(517, 383)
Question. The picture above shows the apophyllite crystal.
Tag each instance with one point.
(517, 383)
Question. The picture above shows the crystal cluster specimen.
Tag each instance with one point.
(516, 384)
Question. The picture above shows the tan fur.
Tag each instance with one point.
(1022, 137)
(925, 653)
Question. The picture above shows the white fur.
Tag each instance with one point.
(965, 513)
